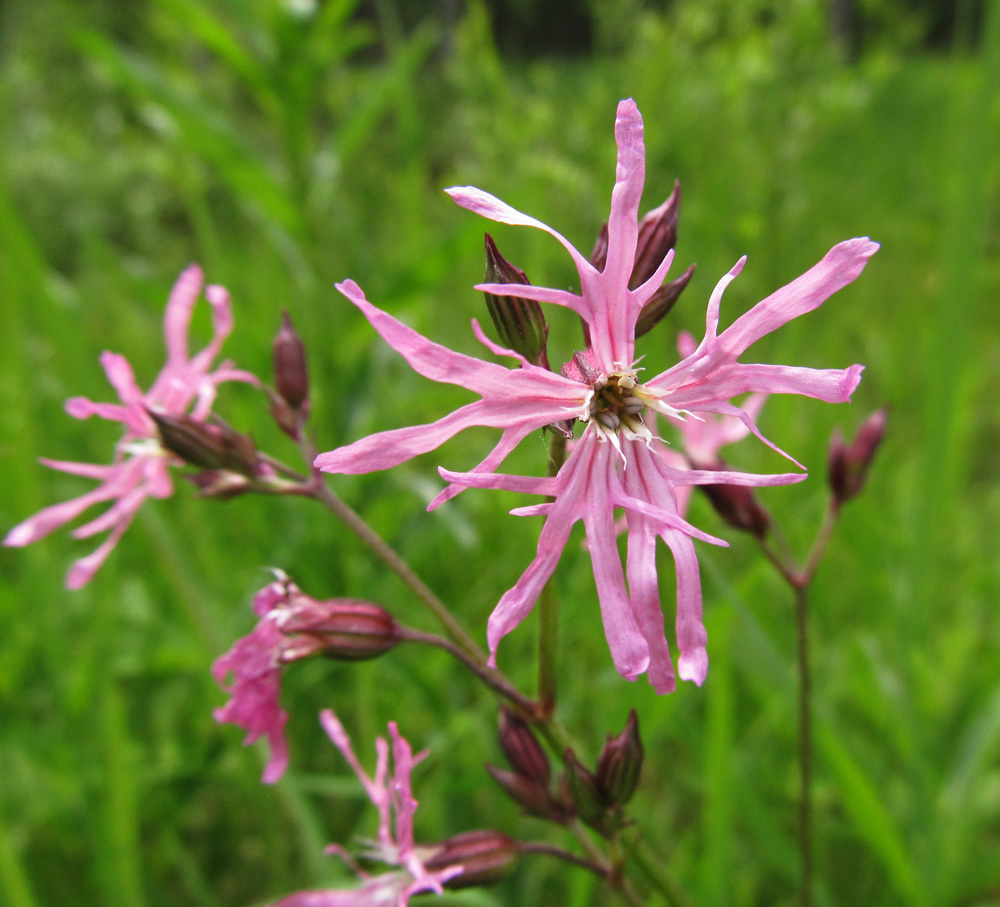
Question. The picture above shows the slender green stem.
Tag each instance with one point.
(388, 555)
(805, 747)
(551, 850)
(490, 676)
(317, 489)
(548, 608)
(799, 579)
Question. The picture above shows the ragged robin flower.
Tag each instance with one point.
(292, 626)
(612, 464)
(186, 386)
(390, 790)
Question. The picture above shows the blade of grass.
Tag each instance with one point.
(870, 816)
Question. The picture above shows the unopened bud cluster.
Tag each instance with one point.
(595, 796)
(849, 464)
(528, 782)
(600, 794)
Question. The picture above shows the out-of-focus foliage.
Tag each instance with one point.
(286, 145)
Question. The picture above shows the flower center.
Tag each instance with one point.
(617, 404)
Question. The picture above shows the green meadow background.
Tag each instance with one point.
(286, 146)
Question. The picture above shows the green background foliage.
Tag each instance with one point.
(287, 145)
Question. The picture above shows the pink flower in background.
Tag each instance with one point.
(185, 386)
(614, 463)
(393, 797)
(292, 627)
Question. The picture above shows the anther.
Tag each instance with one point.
(609, 420)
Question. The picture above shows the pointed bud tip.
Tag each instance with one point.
(291, 373)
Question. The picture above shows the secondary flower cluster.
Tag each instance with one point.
(292, 626)
(185, 387)
(392, 795)
(615, 464)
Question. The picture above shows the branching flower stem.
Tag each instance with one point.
(462, 647)
(490, 676)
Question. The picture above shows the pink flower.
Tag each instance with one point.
(393, 797)
(186, 385)
(613, 464)
(292, 627)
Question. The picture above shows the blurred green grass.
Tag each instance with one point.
(284, 152)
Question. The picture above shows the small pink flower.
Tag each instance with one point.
(186, 385)
(392, 795)
(614, 463)
(292, 627)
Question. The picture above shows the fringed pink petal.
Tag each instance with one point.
(177, 318)
(839, 267)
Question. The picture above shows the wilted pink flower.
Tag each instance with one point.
(292, 626)
(393, 797)
(613, 464)
(185, 386)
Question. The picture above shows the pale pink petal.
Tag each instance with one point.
(644, 592)
(642, 294)
(691, 636)
(540, 294)
(623, 222)
(390, 448)
(54, 516)
(524, 484)
(101, 471)
(508, 441)
(732, 379)
(82, 408)
(442, 364)
(122, 511)
(82, 571)
(841, 265)
(491, 207)
(254, 693)
(628, 646)
(222, 327)
(177, 318)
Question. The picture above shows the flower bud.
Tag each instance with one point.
(291, 374)
(586, 794)
(522, 750)
(620, 763)
(211, 446)
(520, 323)
(343, 629)
(532, 797)
(849, 464)
(485, 857)
(661, 302)
(739, 507)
